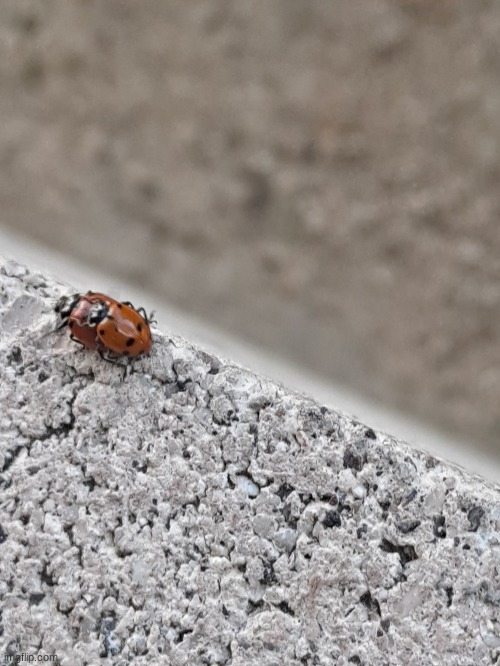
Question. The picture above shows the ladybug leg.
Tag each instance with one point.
(149, 318)
(115, 360)
(128, 369)
(108, 357)
(72, 337)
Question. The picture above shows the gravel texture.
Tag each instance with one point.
(196, 513)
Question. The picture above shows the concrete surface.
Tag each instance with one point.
(197, 513)
(273, 366)
(315, 176)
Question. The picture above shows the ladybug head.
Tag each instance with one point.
(66, 304)
(98, 312)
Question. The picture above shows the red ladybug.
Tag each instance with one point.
(100, 322)
(75, 313)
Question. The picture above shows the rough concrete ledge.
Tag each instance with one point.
(196, 513)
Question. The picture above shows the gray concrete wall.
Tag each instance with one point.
(196, 513)
(320, 177)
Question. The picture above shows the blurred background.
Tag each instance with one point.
(320, 179)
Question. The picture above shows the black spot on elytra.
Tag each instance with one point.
(139, 327)
(120, 305)
(130, 342)
(102, 333)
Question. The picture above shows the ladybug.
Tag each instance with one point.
(114, 328)
(74, 312)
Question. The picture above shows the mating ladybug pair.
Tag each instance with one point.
(99, 322)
